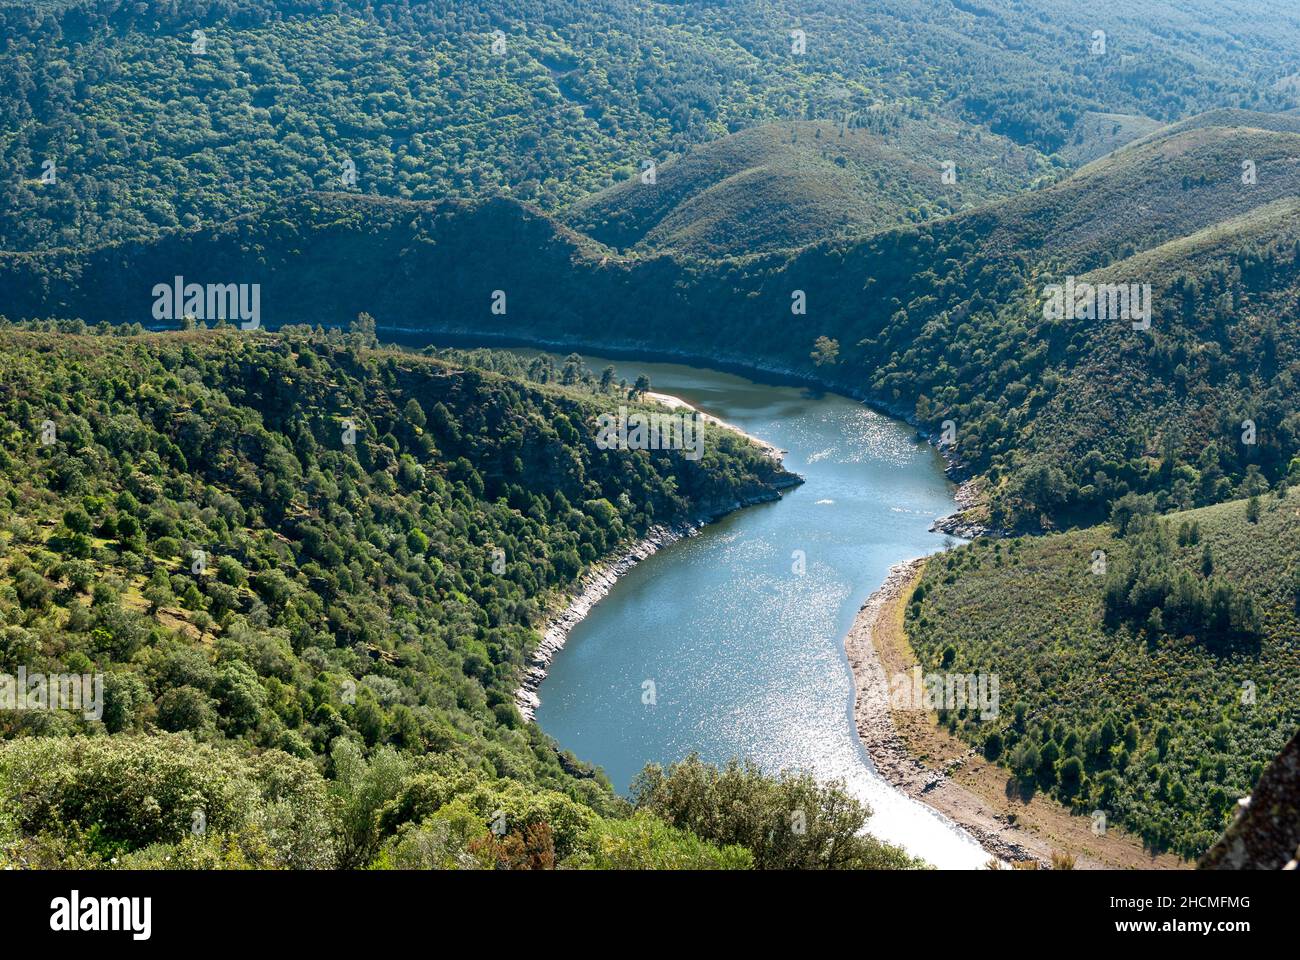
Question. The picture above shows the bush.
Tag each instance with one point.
(993, 746)
(787, 822)
(645, 842)
(106, 796)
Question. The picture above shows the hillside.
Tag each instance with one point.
(1170, 716)
(157, 115)
(1098, 134)
(943, 320)
(309, 572)
(782, 186)
(1266, 835)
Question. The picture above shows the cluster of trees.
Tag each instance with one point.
(147, 132)
(1147, 668)
(169, 801)
(323, 565)
(1151, 591)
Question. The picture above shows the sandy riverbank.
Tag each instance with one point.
(912, 752)
(676, 403)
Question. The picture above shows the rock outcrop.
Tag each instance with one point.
(1266, 833)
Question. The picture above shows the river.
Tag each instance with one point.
(746, 653)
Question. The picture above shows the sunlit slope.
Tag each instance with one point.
(782, 186)
(1170, 719)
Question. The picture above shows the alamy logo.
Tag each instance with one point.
(72, 914)
(83, 692)
(212, 301)
(651, 431)
(1103, 301)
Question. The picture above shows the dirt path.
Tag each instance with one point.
(922, 759)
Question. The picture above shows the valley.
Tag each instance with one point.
(546, 434)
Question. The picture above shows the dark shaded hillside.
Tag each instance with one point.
(1227, 359)
(783, 186)
(943, 319)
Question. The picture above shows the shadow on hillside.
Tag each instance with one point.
(1017, 789)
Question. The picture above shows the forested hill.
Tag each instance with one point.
(164, 114)
(352, 503)
(1149, 668)
(310, 571)
(783, 186)
(1059, 417)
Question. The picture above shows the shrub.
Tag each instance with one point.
(112, 795)
(788, 822)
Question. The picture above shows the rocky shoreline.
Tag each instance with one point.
(956, 524)
(600, 580)
(591, 589)
(889, 753)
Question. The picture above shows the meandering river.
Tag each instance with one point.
(741, 629)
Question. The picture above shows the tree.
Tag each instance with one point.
(1070, 775)
(414, 414)
(993, 746)
(788, 822)
(826, 351)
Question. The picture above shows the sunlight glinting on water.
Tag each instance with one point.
(745, 656)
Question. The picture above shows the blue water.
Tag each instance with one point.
(745, 655)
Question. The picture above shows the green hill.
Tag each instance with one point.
(1098, 134)
(1170, 716)
(782, 186)
(944, 320)
(145, 133)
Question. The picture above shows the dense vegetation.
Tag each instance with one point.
(146, 133)
(782, 186)
(943, 320)
(1148, 668)
(310, 570)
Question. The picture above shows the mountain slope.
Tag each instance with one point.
(148, 127)
(1267, 834)
(1098, 134)
(943, 319)
(1171, 716)
(782, 186)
